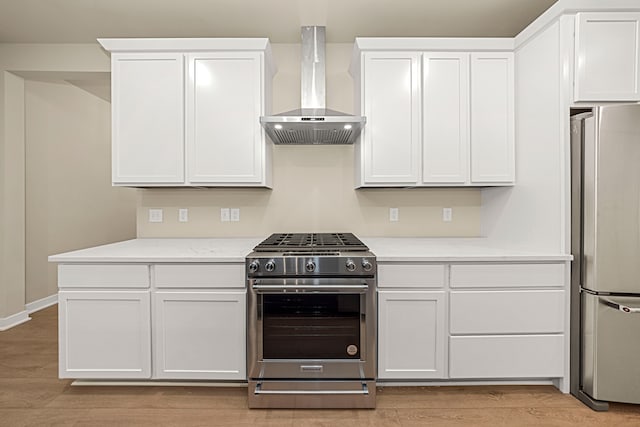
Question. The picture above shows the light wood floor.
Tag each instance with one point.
(32, 395)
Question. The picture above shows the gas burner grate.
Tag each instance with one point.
(311, 241)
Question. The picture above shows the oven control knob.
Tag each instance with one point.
(270, 266)
(351, 266)
(310, 266)
(366, 265)
(254, 266)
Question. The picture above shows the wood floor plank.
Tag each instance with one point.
(186, 417)
(526, 416)
(123, 397)
(42, 418)
(32, 395)
(473, 397)
(20, 393)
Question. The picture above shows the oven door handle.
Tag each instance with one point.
(361, 289)
(363, 391)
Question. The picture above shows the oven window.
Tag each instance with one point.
(311, 326)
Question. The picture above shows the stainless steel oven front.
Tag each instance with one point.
(311, 342)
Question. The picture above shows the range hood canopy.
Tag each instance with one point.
(313, 123)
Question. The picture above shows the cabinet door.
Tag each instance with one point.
(225, 142)
(445, 122)
(200, 335)
(391, 99)
(607, 66)
(147, 118)
(411, 343)
(104, 334)
(492, 118)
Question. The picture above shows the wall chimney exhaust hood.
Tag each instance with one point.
(313, 123)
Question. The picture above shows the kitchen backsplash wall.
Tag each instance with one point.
(313, 186)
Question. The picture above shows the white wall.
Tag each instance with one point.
(70, 202)
(11, 195)
(313, 186)
(17, 63)
(532, 213)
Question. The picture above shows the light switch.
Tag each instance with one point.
(235, 214)
(447, 214)
(224, 214)
(393, 214)
(183, 215)
(155, 215)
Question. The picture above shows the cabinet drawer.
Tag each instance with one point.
(411, 275)
(103, 276)
(491, 275)
(508, 312)
(506, 356)
(217, 275)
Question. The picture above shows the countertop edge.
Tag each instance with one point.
(146, 260)
(475, 258)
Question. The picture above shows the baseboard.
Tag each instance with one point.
(14, 320)
(444, 383)
(42, 303)
(153, 383)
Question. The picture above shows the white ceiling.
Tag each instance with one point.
(82, 21)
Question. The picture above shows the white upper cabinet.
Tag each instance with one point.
(435, 117)
(225, 142)
(195, 128)
(607, 47)
(148, 118)
(390, 141)
(445, 119)
(492, 118)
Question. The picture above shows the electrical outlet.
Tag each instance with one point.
(235, 214)
(394, 214)
(155, 215)
(224, 214)
(447, 214)
(183, 215)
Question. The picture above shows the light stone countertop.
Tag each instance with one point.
(164, 250)
(386, 249)
(389, 249)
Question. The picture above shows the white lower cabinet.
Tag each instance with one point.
(200, 335)
(470, 321)
(104, 334)
(411, 335)
(514, 327)
(188, 318)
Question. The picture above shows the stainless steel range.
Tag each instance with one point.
(311, 322)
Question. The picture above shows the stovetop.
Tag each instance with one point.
(293, 255)
(311, 242)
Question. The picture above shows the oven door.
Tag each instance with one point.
(311, 329)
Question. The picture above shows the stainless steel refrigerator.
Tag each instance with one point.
(605, 277)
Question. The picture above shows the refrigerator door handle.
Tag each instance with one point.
(621, 307)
